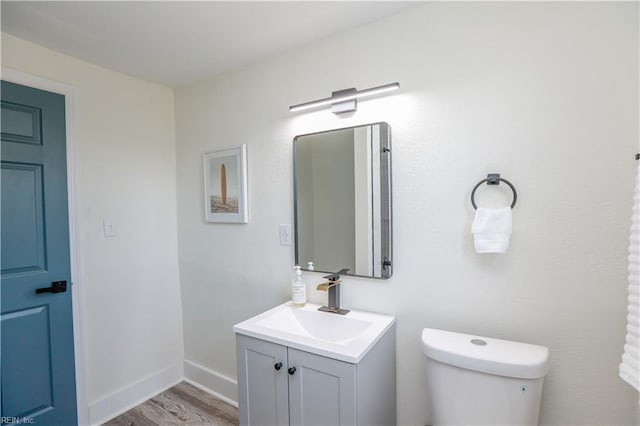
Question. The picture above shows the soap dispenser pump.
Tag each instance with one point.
(298, 288)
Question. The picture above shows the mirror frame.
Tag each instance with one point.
(386, 204)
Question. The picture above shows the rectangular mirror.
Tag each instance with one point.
(342, 200)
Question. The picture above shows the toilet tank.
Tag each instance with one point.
(474, 380)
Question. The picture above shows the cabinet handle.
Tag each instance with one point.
(278, 366)
(292, 371)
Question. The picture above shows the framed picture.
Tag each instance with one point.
(225, 185)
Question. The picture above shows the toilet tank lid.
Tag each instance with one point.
(485, 354)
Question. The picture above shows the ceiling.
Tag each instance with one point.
(178, 43)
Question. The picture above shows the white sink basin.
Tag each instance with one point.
(345, 337)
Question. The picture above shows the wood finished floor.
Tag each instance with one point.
(183, 404)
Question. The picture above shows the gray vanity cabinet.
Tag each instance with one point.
(322, 391)
(279, 385)
(263, 383)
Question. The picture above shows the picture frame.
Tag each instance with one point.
(225, 185)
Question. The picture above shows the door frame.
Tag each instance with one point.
(68, 91)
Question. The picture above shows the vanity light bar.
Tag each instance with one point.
(345, 96)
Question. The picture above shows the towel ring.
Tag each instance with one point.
(493, 179)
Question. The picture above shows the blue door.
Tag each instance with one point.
(37, 361)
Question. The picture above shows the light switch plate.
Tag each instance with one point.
(285, 234)
(108, 228)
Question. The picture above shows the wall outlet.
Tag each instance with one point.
(285, 234)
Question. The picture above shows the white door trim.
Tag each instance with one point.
(68, 91)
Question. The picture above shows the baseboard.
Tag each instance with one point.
(122, 400)
(134, 394)
(218, 385)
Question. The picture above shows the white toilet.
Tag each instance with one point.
(475, 380)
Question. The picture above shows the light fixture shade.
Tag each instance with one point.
(343, 96)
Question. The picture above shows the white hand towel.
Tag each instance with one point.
(491, 230)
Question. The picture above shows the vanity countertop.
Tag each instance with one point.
(343, 337)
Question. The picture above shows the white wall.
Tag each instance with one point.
(125, 170)
(544, 93)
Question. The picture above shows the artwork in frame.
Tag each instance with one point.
(225, 185)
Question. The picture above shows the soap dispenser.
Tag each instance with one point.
(298, 288)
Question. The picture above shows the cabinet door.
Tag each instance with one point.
(322, 391)
(262, 387)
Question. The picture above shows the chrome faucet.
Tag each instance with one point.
(333, 287)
